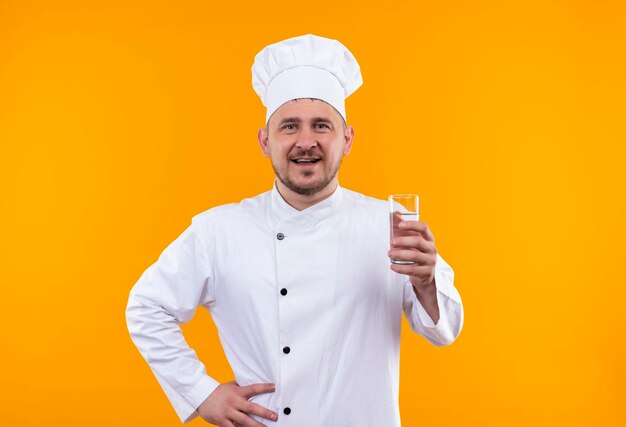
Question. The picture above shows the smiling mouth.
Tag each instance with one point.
(305, 161)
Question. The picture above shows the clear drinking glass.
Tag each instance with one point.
(402, 207)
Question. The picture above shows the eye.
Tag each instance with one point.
(289, 127)
(323, 125)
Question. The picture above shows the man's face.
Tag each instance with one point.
(306, 140)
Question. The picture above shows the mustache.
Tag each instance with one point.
(311, 152)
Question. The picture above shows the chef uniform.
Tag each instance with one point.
(302, 299)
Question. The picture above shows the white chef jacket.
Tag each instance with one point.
(302, 299)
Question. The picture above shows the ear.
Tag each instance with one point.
(348, 139)
(262, 136)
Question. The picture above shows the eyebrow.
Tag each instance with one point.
(317, 119)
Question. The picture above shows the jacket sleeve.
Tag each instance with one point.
(450, 305)
(165, 297)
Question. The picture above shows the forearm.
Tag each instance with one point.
(159, 338)
(427, 296)
(434, 308)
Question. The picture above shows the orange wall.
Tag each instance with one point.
(120, 122)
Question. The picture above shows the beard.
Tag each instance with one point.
(328, 174)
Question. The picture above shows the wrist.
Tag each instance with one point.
(425, 288)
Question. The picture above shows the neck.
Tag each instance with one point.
(301, 202)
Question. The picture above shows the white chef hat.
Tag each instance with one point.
(307, 66)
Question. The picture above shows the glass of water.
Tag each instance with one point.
(402, 207)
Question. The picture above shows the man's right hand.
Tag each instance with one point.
(228, 405)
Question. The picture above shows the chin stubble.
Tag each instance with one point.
(306, 191)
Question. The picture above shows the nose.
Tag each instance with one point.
(306, 139)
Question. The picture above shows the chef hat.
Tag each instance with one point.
(307, 66)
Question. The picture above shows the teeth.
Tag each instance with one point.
(305, 161)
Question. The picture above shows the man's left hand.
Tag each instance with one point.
(417, 245)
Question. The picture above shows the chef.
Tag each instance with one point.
(298, 279)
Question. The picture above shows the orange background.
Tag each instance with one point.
(121, 120)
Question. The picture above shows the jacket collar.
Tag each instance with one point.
(285, 212)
